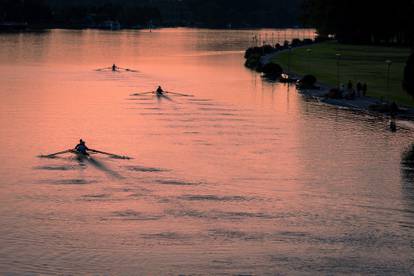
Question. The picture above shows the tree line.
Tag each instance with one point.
(32, 11)
(43, 13)
(198, 13)
(260, 13)
(362, 22)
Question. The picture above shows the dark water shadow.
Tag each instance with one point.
(74, 181)
(162, 97)
(174, 182)
(134, 215)
(235, 235)
(57, 168)
(102, 167)
(174, 236)
(407, 188)
(218, 214)
(407, 173)
(214, 198)
(96, 197)
(145, 169)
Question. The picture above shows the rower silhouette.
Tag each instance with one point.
(114, 67)
(159, 90)
(81, 147)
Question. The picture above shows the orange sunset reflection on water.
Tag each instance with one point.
(241, 176)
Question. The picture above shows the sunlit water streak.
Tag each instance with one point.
(244, 177)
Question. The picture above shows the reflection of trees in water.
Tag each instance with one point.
(407, 172)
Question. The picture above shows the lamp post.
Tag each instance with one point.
(289, 56)
(309, 51)
(389, 63)
(338, 78)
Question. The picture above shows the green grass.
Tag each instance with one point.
(357, 63)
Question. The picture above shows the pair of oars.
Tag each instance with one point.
(166, 92)
(117, 68)
(92, 150)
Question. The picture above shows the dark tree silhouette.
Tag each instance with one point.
(201, 13)
(354, 21)
(219, 13)
(31, 11)
(408, 82)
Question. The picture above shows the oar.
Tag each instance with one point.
(127, 69)
(101, 69)
(110, 154)
(140, 94)
(55, 154)
(175, 93)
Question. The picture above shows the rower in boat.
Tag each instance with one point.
(159, 91)
(82, 148)
(114, 68)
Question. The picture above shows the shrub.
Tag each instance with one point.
(251, 51)
(307, 41)
(253, 62)
(307, 82)
(264, 50)
(296, 42)
(268, 49)
(272, 70)
(278, 47)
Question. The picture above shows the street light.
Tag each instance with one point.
(289, 56)
(309, 51)
(389, 63)
(338, 79)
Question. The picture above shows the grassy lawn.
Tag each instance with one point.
(357, 63)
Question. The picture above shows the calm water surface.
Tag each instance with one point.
(244, 177)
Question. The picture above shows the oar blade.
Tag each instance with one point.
(120, 157)
(53, 155)
(102, 69)
(112, 155)
(179, 94)
(128, 70)
(141, 94)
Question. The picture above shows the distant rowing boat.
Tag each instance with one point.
(84, 155)
(162, 94)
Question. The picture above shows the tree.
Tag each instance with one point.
(355, 21)
(408, 81)
(269, 13)
(31, 11)
(37, 12)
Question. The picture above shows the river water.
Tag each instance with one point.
(243, 178)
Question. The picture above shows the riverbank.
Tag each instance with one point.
(357, 63)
